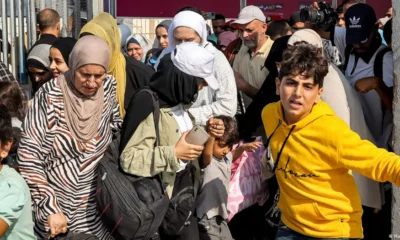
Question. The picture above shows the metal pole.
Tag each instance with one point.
(334, 4)
(21, 45)
(28, 25)
(89, 10)
(12, 42)
(4, 31)
(33, 22)
(243, 4)
(77, 19)
(112, 8)
(65, 17)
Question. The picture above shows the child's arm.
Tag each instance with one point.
(208, 152)
(248, 147)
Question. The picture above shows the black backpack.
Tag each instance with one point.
(378, 64)
(182, 204)
(131, 207)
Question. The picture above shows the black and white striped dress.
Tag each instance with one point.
(61, 171)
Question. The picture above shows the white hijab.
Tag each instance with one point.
(186, 19)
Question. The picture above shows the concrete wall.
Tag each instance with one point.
(396, 113)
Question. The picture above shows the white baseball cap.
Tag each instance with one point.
(249, 14)
(194, 60)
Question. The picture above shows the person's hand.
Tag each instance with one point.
(315, 6)
(365, 85)
(186, 151)
(215, 127)
(57, 223)
(241, 84)
(251, 147)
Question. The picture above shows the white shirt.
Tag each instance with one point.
(220, 102)
(375, 114)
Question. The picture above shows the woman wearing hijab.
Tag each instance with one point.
(129, 74)
(163, 42)
(177, 83)
(38, 64)
(133, 48)
(66, 131)
(188, 26)
(59, 55)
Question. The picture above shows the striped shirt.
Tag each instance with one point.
(61, 171)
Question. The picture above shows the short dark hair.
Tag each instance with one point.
(387, 31)
(12, 96)
(277, 29)
(231, 134)
(189, 8)
(48, 18)
(6, 131)
(219, 17)
(340, 9)
(305, 59)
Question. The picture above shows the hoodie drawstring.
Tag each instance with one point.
(281, 150)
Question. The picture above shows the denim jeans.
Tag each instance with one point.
(285, 233)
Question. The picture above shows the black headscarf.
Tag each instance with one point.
(251, 120)
(65, 46)
(172, 86)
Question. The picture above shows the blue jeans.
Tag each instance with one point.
(285, 233)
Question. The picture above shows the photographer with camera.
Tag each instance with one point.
(368, 66)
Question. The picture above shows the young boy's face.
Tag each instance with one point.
(298, 95)
(221, 149)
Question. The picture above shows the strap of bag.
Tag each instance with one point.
(378, 64)
(156, 112)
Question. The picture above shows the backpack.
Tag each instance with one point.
(182, 203)
(378, 64)
(131, 207)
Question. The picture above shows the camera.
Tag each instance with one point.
(325, 18)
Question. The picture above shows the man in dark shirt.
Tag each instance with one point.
(49, 26)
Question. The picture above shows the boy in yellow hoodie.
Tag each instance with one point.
(313, 152)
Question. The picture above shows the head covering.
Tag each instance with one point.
(65, 46)
(173, 86)
(131, 39)
(231, 24)
(185, 19)
(249, 14)
(360, 18)
(294, 18)
(124, 33)
(104, 26)
(166, 24)
(83, 113)
(193, 59)
(226, 37)
(39, 57)
(306, 35)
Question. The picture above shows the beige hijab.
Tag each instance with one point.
(83, 113)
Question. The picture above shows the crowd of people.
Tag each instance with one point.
(320, 98)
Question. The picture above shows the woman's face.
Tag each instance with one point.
(57, 62)
(185, 34)
(89, 78)
(162, 36)
(40, 75)
(135, 51)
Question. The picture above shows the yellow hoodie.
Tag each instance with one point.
(319, 197)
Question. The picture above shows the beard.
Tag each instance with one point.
(253, 42)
